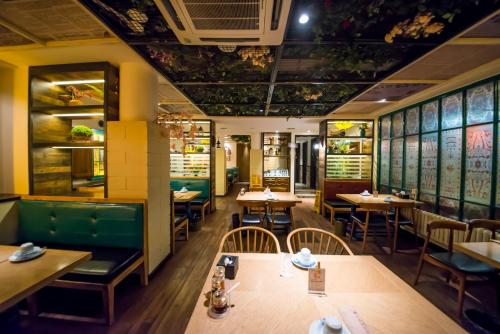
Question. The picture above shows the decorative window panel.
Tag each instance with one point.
(397, 125)
(384, 159)
(452, 111)
(429, 163)
(475, 211)
(498, 165)
(479, 163)
(449, 208)
(412, 121)
(430, 116)
(451, 163)
(480, 104)
(411, 161)
(386, 127)
(397, 163)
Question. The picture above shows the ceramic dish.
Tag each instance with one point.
(318, 327)
(296, 261)
(19, 257)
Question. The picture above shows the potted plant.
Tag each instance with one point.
(362, 129)
(81, 133)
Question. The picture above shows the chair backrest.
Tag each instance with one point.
(256, 188)
(318, 241)
(488, 224)
(451, 226)
(278, 189)
(344, 186)
(253, 205)
(256, 240)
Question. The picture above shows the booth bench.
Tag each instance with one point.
(202, 202)
(341, 186)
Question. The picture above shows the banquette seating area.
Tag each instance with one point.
(114, 232)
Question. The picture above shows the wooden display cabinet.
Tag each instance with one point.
(276, 157)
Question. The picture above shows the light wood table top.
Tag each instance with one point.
(487, 252)
(19, 280)
(182, 197)
(358, 199)
(259, 196)
(268, 303)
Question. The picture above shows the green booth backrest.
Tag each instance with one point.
(81, 224)
(202, 185)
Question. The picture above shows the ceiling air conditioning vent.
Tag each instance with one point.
(219, 22)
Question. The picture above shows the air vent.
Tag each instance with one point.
(215, 22)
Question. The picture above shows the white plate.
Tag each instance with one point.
(17, 257)
(317, 328)
(296, 261)
(363, 194)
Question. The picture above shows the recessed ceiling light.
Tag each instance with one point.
(382, 101)
(276, 131)
(303, 19)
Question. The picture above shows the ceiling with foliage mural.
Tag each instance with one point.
(346, 47)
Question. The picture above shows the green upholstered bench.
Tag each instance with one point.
(201, 202)
(114, 233)
(233, 174)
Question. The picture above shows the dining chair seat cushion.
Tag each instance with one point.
(180, 218)
(280, 219)
(338, 203)
(106, 264)
(463, 263)
(251, 219)
(402, 220)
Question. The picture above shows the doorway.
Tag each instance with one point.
(306, 164)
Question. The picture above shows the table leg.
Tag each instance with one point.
(10, 321)
(189, 212)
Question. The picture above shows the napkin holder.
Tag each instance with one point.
(231, 268)
(403, 196)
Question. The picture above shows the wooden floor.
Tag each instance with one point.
(166, 304)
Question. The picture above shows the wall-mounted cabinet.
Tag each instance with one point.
(68, 108)
(349, 149)
(276, 157)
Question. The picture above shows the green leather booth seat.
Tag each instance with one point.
(232, 173)
(112, 232)
(202, 185)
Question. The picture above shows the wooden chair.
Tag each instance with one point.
(491, 225)
(281, 214)
(279, 189)
(396, 219)
(372, 217)
(256, 240)
(252, 213)
(458, 264)
(257, 188)
(318, 241)
(178, 221)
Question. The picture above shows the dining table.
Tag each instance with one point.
(266, 301)
(486, 251)
(260, 196)
(358, 199)
(185, 197)
(20, 280)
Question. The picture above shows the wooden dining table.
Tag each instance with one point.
(265, 302)
(358, 199)
(185, 197)
(19, 280)
(260, 196)
(487, 251)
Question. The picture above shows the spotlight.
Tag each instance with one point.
(303, 19)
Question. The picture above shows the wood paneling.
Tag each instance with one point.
(51, 171)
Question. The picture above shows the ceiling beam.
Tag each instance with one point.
(274, 75)
(20, 31)
(412, 81)
(475, 41)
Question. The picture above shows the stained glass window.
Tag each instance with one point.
(452, 111)
(411, 161)
(451, 163)
(475, 211)
(384, 159)
(397, 163)
(429, 163)
(386, 127)
(498, 165)
(397, 125)
(480, 104)
(478, 163)
(449, 207)
(430, 116)
(412, 121)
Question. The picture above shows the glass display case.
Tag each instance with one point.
(68, 108)
(276, 167)
(349, 148)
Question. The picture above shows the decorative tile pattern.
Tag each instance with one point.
(430, 116)
(411, 160)
(397, 125)
(452, 111)
(479, 163)
(451, 163)
(412, 121)
(386, 127)
(480, 104)
(384, 161)
(397, 163)
(429, 163)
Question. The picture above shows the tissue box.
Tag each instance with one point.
(231, 269)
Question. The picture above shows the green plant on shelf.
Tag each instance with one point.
(81, 132)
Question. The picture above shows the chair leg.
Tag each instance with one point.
(108, 304)
(461, 293)
(353, 229)
(395, 238)
(187, 231)
(144, 275)
(332, 216)
(32, 305)
(419, 270)
(365, 235)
